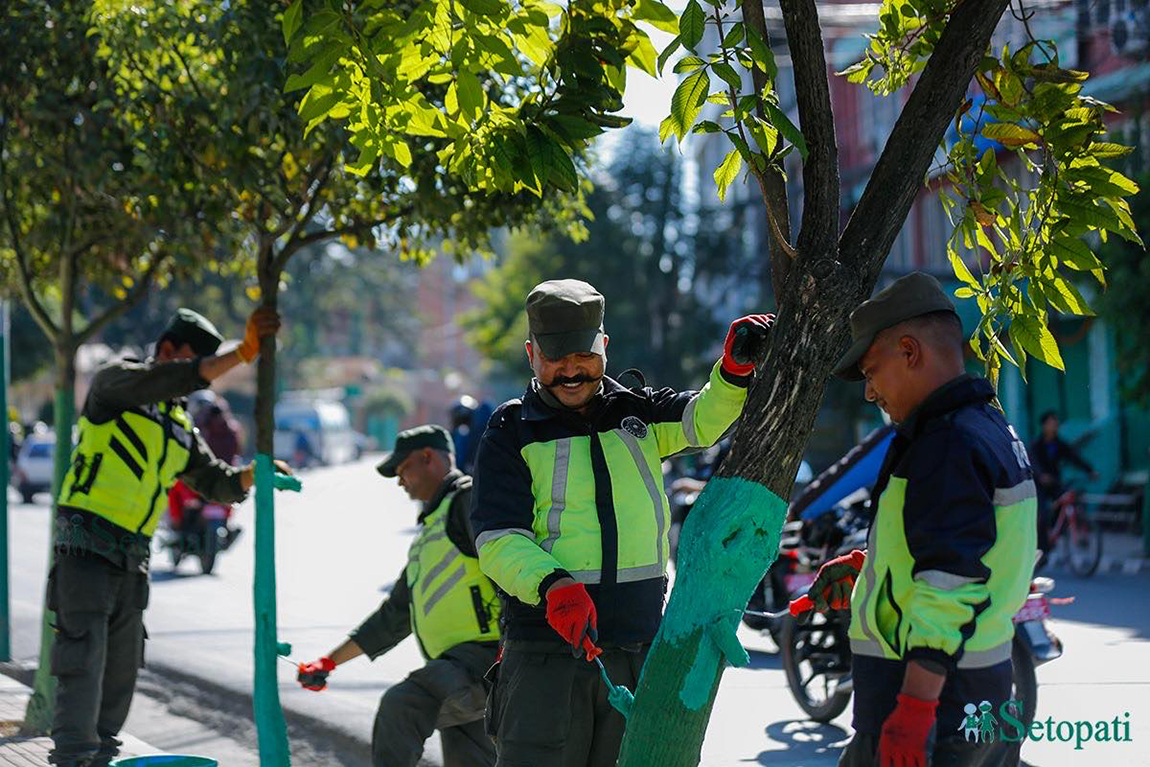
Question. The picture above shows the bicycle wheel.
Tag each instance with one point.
(1083, 543)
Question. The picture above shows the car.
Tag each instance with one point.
(33, 472)
(313, 431)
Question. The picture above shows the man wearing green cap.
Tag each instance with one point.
(572, 524)
(446, 602)
(135, 441)
(951, 547)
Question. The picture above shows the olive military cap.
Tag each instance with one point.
(407, 442)
(907, 297)
(195, 330)
(566, 317)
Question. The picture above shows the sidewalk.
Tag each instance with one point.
(20, 751)
(1121, 553)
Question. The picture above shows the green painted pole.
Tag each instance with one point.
(273, 742)
(5, 614)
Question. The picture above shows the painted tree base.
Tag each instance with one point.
(729, 540)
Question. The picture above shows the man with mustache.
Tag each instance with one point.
(571, 524)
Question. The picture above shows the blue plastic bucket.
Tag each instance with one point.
(167, 760)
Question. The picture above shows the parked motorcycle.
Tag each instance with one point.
(817, 657)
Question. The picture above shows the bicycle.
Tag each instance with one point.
(1082, 542)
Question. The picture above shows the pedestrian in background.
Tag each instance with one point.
(1048, 452)
(572, 524)
(446, 602)
(951, 548)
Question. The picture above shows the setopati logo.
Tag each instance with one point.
(982, 726)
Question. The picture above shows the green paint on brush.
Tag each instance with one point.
(729, 540)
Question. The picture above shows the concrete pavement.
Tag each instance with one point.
(345, 538)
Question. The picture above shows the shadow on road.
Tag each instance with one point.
(1104, 599)
(163, 576)
(806, 743)
(762, 659)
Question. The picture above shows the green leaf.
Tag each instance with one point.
(667, 127)
(643, 57)
(292, 19)
(790, 132)
(734, 36)
(765, 135)
(1105, 150)
(470, 94)
(320, 71)
(539, 153)
(727, 172)
(483, 7)
(1011, 136)
(563, 174)
(666, 54)
(657, 15)
(691, 24)
(688, 100)
(1071, 300)
(707, 126)
(689, 64)
(1088, 213)
(762, 53)
(728, 73)
(1031, 333)
(960, 269)
(1075, 253)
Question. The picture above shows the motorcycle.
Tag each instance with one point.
(195, 527)
(817, 658)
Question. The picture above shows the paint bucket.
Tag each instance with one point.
(165, 760)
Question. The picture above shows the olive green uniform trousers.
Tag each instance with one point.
(548, 708)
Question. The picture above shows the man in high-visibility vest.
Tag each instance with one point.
(135, 441)
(440, 596)
(572, 523)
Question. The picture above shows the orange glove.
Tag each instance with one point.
(262, 323)
(905, 732)
(835, 581)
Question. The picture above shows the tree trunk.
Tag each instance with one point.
(42, 705)
(731, 536)
(270, 726)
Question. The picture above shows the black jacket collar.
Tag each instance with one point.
(535, 409)
(451, 482)
(962, 391)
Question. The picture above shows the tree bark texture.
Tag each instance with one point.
(831, 276)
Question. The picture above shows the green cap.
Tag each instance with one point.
(566, 317)
(907, 297)
(195, 330)
(407, 442)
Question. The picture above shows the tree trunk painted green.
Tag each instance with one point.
(42, 705)
(270, 726)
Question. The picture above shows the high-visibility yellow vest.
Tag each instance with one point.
(452, 601)
(122, 469)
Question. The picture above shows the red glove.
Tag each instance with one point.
(904, 733)
(313, 676)
(834, 582)
(571, 613)
(744, 340)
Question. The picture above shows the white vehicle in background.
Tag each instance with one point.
(314, 431)
(33, 472)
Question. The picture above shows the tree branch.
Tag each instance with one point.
(772, 184)
(816, 120)
(138, 291)
(352, 228)
(39, 313)
(898, 175)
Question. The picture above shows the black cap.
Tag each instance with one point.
(566, 317)
(904, 299)
(407, 442)
(194, 329)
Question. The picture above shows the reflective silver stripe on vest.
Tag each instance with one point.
(1012, 495)
(984, 658)
(488, 536)
(444, 587)
(867, 647)
(653, 489)
(689, 423)
(624, 574)
(941, 579)
(871, 580)
(440, 566)
(558, 492)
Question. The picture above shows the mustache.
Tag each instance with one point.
(578, 379)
